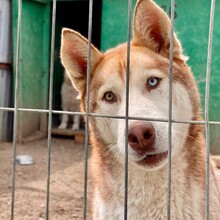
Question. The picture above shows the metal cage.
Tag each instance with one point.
(126, 117)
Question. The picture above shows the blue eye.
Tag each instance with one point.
(153, 81)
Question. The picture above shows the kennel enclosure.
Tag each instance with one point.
(109, 29)
(34, 62)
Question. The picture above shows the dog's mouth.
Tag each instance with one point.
(153, 159)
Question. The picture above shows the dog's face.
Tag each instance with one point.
(148, 88)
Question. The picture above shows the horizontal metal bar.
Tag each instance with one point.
(109, 116)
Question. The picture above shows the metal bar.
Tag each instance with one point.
(170, 114)
(50, 110)
(86, 147)
(170, 121)
(16, 102)
(109, 116)
(127, 109)
(207, 98)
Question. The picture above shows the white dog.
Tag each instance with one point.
(69, 103)
(147, 140)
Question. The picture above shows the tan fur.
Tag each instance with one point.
(147, 188)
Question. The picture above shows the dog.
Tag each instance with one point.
(148, 141)
(69, 103)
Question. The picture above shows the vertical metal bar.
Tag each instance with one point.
(207, 98)
(170, 113)
(50, 109)
(127, 110)
(16, 101)
(86, 147)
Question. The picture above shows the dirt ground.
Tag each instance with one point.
(66, 188)
(67, 181)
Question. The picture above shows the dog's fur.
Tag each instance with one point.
(147, 182)
(69, 103)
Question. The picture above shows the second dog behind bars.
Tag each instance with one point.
(148, 140)
(69, 102)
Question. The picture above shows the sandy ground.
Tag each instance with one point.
(66, 188)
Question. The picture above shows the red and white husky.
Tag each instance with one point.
(147, 140)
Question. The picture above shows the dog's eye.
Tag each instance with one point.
(153, 82)
(109, 97)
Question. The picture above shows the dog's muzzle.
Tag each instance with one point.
(141, 138)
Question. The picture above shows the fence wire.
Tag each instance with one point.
(127, 110)
(50, 109)
(202, 122)
(125, 117)
(170, 113)
(87, 109)
(16, 101)
(207, 98)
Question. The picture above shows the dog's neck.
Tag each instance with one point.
(150, 187)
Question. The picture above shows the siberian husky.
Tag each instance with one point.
(147, 140)
(69, 103)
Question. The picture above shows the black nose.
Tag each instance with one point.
(141, 137)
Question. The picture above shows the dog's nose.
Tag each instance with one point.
(141, 137)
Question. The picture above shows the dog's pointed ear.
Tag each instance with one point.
(152, 29)
(74, 57)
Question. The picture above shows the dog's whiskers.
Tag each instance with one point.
(116, 159)
(109, 149)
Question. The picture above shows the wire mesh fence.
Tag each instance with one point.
(50, 111)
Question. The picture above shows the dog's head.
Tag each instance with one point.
(148, 88)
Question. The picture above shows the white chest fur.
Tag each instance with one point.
(147, 196)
